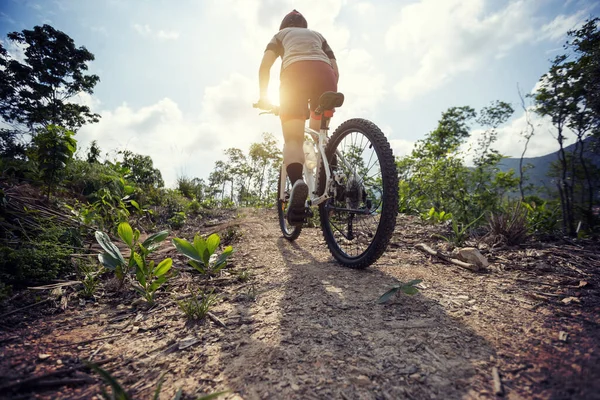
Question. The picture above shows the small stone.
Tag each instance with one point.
(295, 387)
(356, 333)
(333, 333)
(43, 356)
(473, 256)
(59, 362)
(562, 336)
(361, 380)
(569, 300)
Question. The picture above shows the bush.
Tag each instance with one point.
(44, 258)
(509, 225)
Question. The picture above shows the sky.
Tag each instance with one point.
(178, 78)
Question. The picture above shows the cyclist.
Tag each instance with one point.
(308, 69)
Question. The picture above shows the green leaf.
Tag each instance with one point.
(197, 266)
(118, 391)
(200, 246)
(212, 243)
(163, 267)
(178, 394)
(135, 204)
(159, 386)
(126, 233)
(387, 295)
(224, 255)
(186, 248)
(213, 395)
(128, 189)
(108, 261)
(413, 282)
(136, 235)
(151, 242)
(409, 290)
(140, 275)
(108, 246)
(157, 283)
(138, 260)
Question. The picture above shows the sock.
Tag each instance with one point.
(294, 172)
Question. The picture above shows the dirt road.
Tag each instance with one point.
(303, 327)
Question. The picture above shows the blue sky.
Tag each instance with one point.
(178, 77)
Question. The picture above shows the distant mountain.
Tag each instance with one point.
(541, 165)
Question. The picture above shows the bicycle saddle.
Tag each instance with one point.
(331, 100)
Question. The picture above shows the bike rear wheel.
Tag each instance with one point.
(359, 219)
(290, 232)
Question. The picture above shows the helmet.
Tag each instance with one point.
(293, 19)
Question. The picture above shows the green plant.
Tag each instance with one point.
(40, 256)
(202, 253)
(435, 217)
(408, 288)
(119, 393)
(542, 217)
(509, 225)
(198, 304)
(150, 277)
(460, 232)
(54, 147)
(90, 278)
(177, 220)
(243, 275)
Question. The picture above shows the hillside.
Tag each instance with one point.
(538, 174)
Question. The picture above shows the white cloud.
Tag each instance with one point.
(180, 143)
(15, 50)
(459, 36)
(146, 31)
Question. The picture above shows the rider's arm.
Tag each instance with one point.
(327, 50)
(264, 72)
(335, 68)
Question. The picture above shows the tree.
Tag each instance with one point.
(568, 95)
(36, 93)
(141, 170)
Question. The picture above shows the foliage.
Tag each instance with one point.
(90, 277)
(141, 170)
(436, 217)
(119, 393)
(460, 232)
(202, 253)
(53, 148)
(407, 288)
(36, 92)
(177, 220)
(39, 257)
(150, 276)
(509, 225)
(435, 176)
(568, 95)
(542, 216)
(198, 304)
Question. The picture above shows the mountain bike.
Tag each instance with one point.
(352, 180)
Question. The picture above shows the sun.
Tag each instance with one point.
(274, 93)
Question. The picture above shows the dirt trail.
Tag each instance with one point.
(305, 328)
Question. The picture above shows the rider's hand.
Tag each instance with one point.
(264, 104)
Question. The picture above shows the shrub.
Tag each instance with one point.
(509, 225)
(43, 258)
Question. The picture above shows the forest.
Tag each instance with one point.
(84, 225)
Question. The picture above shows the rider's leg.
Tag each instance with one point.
(293, 158)
(293, 153)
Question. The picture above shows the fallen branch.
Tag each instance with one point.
(23, 308)
(36, 380)
(438, 254)
(216, 319)
(498, 391)
(89, 341)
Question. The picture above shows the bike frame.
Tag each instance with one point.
(310, 177)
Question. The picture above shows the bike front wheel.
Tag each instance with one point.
(290, 232)
(359, 218)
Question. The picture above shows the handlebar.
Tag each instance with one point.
(269, 109)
